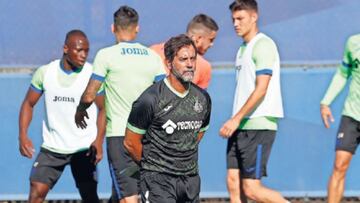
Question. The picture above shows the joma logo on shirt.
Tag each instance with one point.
(134, 51)
(63, 99)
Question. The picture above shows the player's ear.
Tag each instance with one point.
(112, 28)
(137, 29)
(254, 16)
(196, 38)
(168, 64)
(65, 49)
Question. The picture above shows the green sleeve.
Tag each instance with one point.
(340, 78)
(100, 65)
(38, 78)
(264, 54)
(336, 86)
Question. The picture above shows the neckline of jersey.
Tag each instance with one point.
(179, 94)
(68, 72)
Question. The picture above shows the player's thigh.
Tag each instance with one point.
(190, 189)
(82, 169)
(348, 136)
(255, 150)
(48, 167)
(119, 161)
(156, 187)
(232, 151)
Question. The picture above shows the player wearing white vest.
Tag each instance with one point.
(257, 106)
(126, 69)
(62, 83)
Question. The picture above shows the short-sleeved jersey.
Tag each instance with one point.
(126, 70)
(258, 57)
(170, 122)
(202, 74)
(350, 68)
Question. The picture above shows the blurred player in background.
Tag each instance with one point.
(257, 106)
(62, 82)
(126, 69)
(348, 136)
(202, 29)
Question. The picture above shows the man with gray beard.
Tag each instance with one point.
(165, 126)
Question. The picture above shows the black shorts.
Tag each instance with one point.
(166, 188)
(119, 161)
(249, 151)
(49, 166)
(348, 137)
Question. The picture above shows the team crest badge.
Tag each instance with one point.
(198, 108)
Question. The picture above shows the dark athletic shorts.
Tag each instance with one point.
(348, 137)
(166, 188)
(49, 166)
(119, 161)
(249, 151)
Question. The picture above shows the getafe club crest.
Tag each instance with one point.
(198, 108)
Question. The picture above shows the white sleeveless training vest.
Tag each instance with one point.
(246, 78)
(60, 133)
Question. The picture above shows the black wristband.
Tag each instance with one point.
(82, 106)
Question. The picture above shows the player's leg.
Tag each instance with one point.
(337, 178)
(85, 175)
(255, 149)
(45, 172)
(233, 184)
(157, 187)
(347, 141)
(188, 189)
(256, 191)
(38, 192)
(126, 187)
(233, 180)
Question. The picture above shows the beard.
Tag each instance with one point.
(184, 79)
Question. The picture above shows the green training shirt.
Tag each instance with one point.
(350, 68)
(126, 70)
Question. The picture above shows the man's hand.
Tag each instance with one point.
(80, 119)
(326, 115)
(229, 127)
(95, 152)
(26, 147)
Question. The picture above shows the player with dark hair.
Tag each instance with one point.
(348, 136)
(62, 83)
(165, 126)
(126, 70)
(202, 29)
(257, 106)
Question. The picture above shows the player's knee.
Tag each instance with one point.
(250, 193)
(38, 192)
(88, 192)
(340, 167)
(251, 190)
(233, 181)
